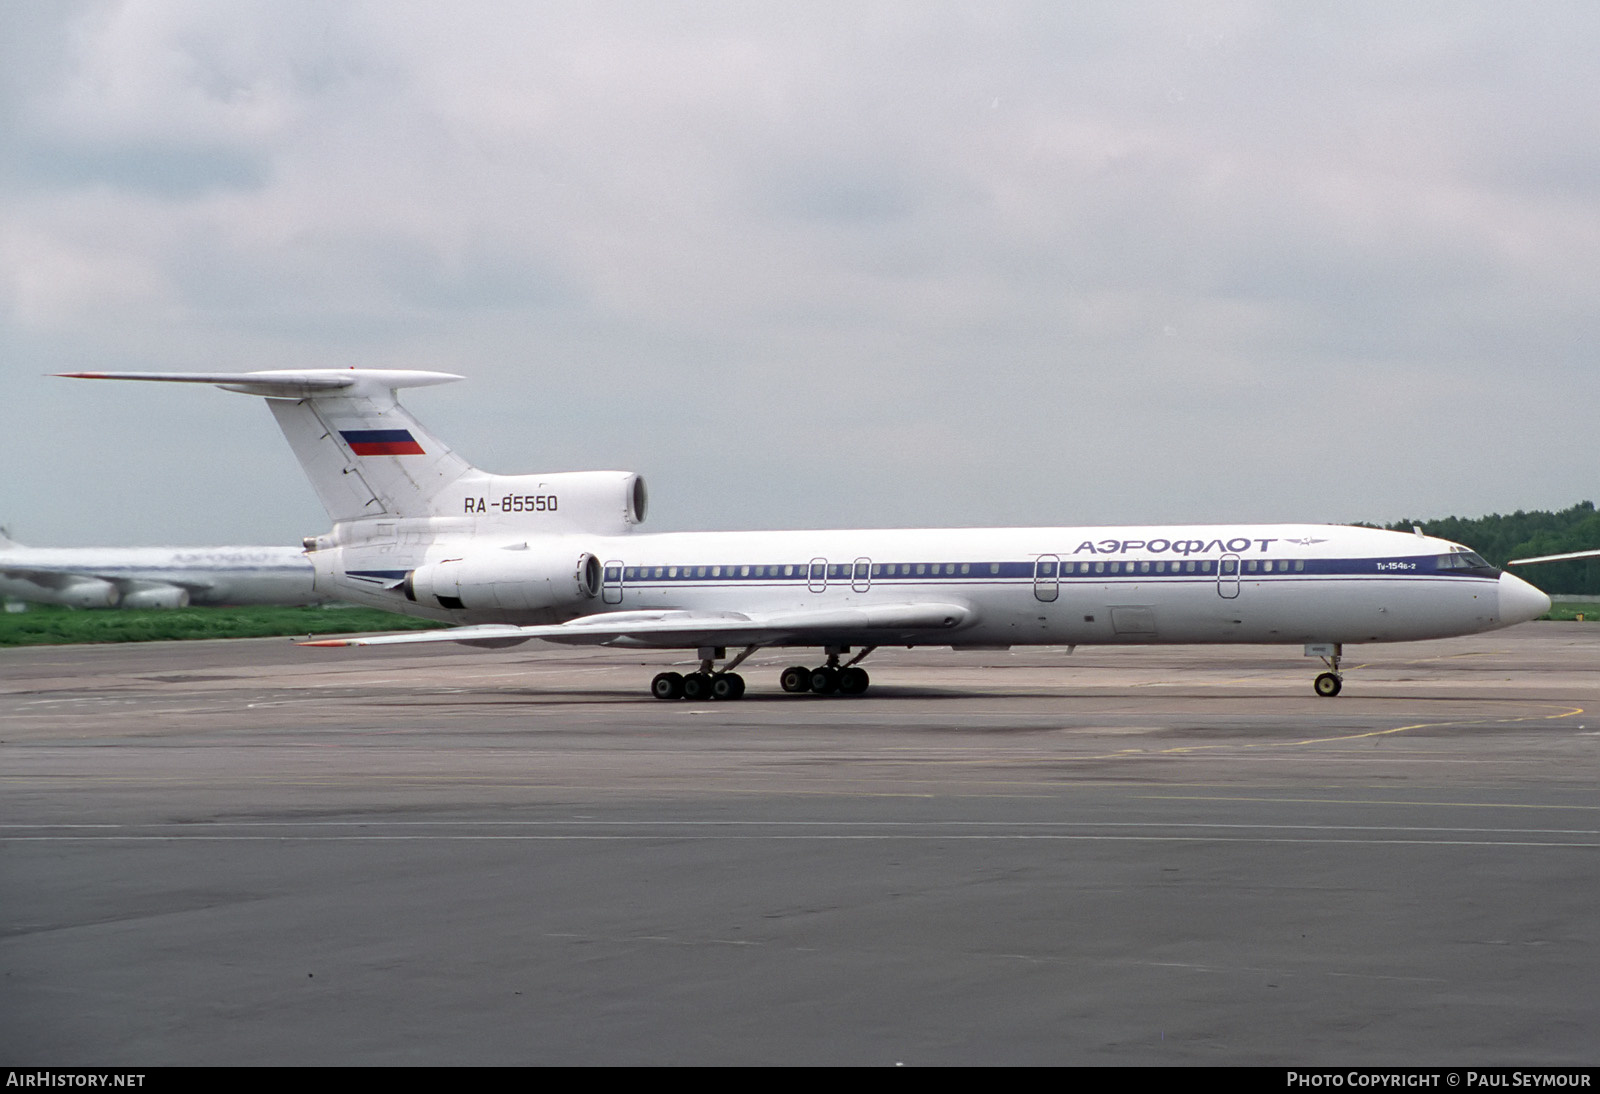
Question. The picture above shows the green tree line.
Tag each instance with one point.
(1502, 537)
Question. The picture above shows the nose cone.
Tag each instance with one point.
(1519, 601)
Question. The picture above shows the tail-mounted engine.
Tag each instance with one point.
(517, 580)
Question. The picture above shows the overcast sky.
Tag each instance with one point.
(810, 265)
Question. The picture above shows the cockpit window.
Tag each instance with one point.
(1465, 562)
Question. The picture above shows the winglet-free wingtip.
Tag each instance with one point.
(329, 642)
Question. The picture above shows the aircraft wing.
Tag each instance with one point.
(46, 577)
(1555, 558)
(878, 623)
(60, 575)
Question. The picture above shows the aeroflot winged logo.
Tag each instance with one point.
(381, 442)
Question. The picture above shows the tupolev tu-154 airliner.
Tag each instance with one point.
(418, 530)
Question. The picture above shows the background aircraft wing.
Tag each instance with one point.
(1554, 558)
(46, 577)
(878, 623)
(55, 575)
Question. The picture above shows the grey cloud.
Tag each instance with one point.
(161, 169)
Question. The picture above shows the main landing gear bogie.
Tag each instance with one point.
(829, 679)
(826, 680)
(698, 686)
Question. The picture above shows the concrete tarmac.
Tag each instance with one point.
(250, 852)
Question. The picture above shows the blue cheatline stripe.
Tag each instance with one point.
(1069, 571)
(376, 575)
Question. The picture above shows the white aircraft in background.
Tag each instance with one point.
(418, 530)
(155, 577)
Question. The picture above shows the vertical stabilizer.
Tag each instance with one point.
(365, 454)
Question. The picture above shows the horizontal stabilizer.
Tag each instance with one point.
(365, 455)
(686, 628)
(290, 384)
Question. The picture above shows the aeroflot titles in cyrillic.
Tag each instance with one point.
(1177, 546)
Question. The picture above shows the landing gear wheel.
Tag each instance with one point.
(697, 686)
(853, 681)
(825, 680)
(1328, 685)
(668, 685)
(795, 679)
(727, 685)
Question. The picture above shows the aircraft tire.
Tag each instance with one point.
(1328, 685)
(825, 680)
(697, 686)
(667, 685)
(727, 685)
(795, 679)
(853, 681)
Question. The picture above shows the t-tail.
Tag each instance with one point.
(400, 499)
(369, 459)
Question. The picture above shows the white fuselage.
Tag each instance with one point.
(1021, 586)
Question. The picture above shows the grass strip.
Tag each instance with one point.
(50, 625)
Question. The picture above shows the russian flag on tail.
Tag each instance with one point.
(381, 442)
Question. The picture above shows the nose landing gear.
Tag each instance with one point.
(1330, 683)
